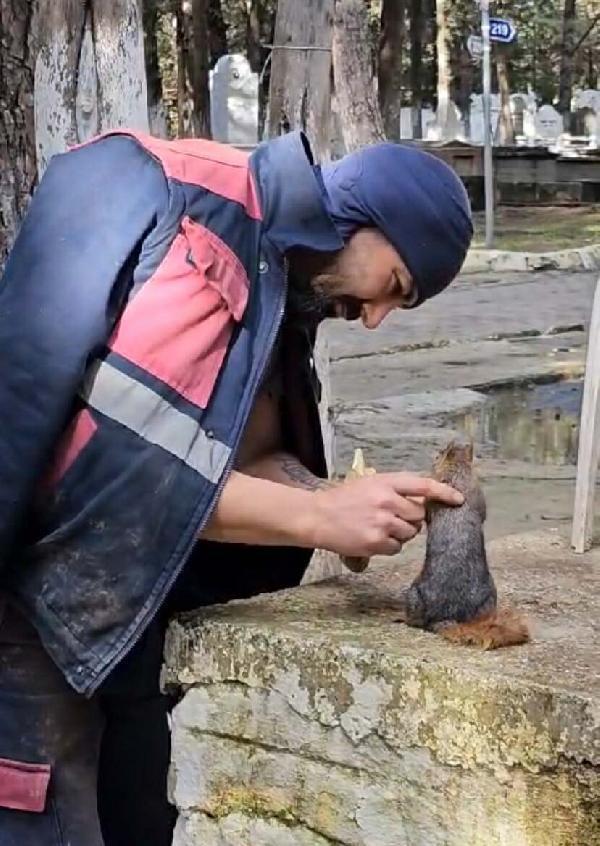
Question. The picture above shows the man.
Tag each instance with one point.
(159, 437)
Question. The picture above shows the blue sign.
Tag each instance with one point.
(502, 30)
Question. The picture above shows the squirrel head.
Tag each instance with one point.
(454, 465)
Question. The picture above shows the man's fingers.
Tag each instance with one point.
(403, 531)
(391, 547)
(408, 485)
(406, 509)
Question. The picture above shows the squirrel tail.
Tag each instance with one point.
(498, 628)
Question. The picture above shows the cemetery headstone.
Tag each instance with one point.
(452, 129)
(234, 101)
(477, 125)
(586, 108)
(406, 121)
(523, 108)
(548, 124)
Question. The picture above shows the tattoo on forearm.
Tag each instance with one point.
(300, 475)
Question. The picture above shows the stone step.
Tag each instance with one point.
(314, 717)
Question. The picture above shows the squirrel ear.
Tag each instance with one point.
(441, 456)
(448, 449)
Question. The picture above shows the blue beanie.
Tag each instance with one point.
(415, 199)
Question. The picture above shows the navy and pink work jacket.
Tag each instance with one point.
(138, 312)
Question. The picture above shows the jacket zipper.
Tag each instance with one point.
(103, 674)
(269, 349)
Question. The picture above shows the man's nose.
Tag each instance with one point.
(373, 314)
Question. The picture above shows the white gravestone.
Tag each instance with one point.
(406, 121)
(587, 102)
(548, 124)
(523, 108)
(406, 130)
(234, 101)
(433, 131)
(589, 98)
(477, 125)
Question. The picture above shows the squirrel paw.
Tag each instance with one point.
(502, 627)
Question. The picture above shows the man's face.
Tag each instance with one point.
(366, 280)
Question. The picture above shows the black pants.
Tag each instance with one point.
(108, 756)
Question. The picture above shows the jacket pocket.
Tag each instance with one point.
(23, 787)
(179, 325)
(74, 440)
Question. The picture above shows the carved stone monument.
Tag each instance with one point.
(477, 126)
(548, 124)
(234, 101)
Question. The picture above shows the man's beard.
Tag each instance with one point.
(309, 302)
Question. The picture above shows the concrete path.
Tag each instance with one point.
(398, 390)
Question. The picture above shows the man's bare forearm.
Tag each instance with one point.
(263, 512)
(269, 502)
(284, 468)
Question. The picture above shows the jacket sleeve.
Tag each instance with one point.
(63, 287)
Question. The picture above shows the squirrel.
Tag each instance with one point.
(454, 594)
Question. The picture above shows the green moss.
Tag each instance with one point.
(252, 803)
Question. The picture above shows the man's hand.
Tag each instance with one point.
(375, 515)
(365, 517)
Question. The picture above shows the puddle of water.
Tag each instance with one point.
(534, 423)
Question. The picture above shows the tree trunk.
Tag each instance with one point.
(444, 71)
(254, 51)
(300, 90)
(89, 71)
(353, 78)
(156, 109)
(506, 130)
(390, 66)
(260, 29)
(17, 137)
(417, 21)
(217, 32)
(465, 88)
(167, 56)
(591, 69)
(153, 77)
(567, 59)
(197, 59)
(182, 46)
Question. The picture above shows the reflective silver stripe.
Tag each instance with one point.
(142, 410)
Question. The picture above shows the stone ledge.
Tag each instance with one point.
(312, 717)
(508, 261)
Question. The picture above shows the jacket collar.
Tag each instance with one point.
(293, 197)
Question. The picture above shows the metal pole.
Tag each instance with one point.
(488, 161)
